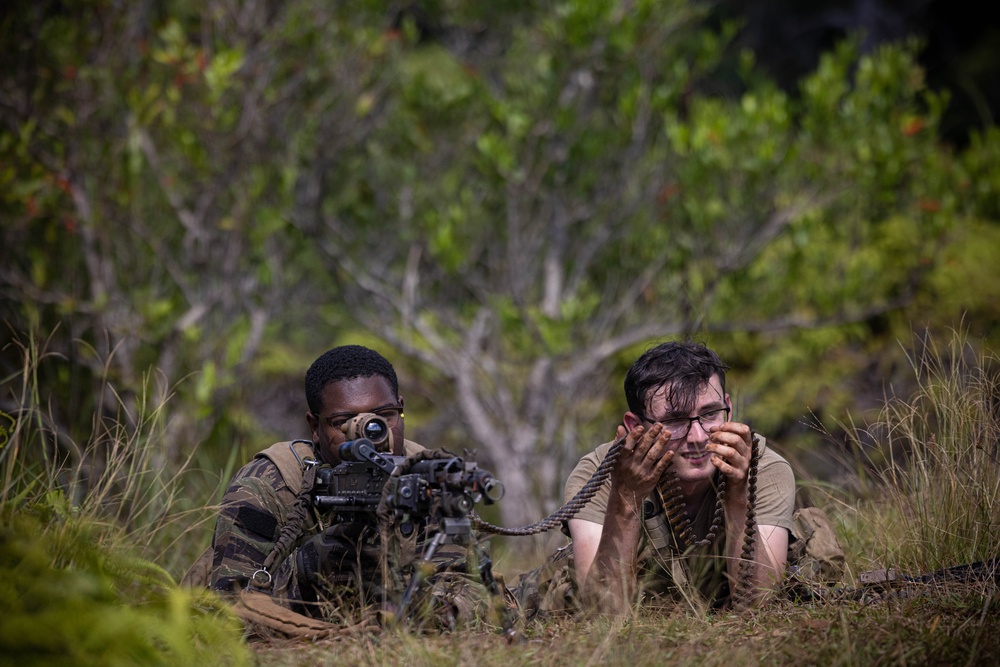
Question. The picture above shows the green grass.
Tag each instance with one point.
(85, 533)
(935, 498)
(89, 541)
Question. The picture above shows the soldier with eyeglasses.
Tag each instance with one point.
(671, 520)
(328, 562)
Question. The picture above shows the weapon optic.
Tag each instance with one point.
(444, 487)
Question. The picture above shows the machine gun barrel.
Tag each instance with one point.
(444, 487)
(457, 474)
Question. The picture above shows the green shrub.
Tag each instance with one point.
(72, 597)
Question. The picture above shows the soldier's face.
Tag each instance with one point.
(349, 398)
(692, 462)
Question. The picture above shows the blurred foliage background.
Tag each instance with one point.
(510, 200)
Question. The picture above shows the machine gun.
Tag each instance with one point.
(442, 488)
(439, 492)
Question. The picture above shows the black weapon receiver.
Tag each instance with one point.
(355, 485)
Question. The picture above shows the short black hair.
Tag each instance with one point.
(345, 363)
(685, 366)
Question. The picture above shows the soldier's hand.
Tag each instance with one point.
(644, 456)
(337, 554)
(730, 447)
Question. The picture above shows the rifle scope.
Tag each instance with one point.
(369, 426)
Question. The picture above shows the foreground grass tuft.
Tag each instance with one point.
(79, 527)
(71, 598)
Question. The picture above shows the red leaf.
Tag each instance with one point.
(913, 126)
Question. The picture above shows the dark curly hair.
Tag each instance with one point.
(345, 363)
(685, 366)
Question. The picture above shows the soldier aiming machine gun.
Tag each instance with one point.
(442, 489)
(437, 492)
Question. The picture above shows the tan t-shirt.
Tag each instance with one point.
(774, 506)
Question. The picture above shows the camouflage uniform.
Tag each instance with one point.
(255, 509)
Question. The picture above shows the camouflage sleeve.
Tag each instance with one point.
(253, 512)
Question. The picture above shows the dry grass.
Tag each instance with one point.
(938, 626)
(115, 475)
(935, 500)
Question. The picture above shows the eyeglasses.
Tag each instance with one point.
(679, 426)
(390, 415)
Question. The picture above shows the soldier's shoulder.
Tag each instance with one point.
(258, 468)
(770, 452)
(265, 471)
(599, 454)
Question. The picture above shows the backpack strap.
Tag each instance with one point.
(288, 457)
(287, 460)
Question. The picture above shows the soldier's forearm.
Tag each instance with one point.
(740, 574)
(611, 583)
(759, 577)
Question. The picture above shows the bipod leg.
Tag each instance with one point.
(418, 575)
(490, 582)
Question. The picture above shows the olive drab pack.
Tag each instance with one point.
(815, 554)
(549, 588)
